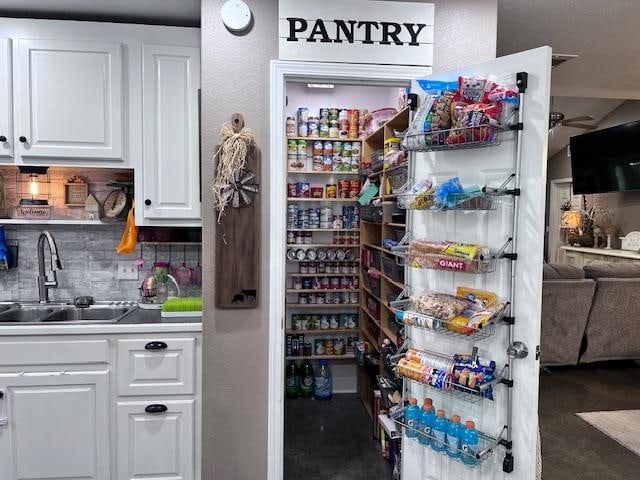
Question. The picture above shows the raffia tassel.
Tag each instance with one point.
(232, 158)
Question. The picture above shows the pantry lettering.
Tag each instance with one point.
(345, 31)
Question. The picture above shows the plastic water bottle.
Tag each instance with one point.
(469, 443)
(306, 380)
(427, 417)
(322, 389)
(412, 417)
(293, 380)
(440, 424)
(454, 434)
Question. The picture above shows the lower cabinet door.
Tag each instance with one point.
(155, 440)
(54, 426)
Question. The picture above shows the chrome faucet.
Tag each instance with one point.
(44, 284)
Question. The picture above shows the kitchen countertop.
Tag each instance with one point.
(138, 321)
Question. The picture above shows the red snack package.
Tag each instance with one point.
(472, 117)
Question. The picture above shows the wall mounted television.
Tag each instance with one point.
(606, 160)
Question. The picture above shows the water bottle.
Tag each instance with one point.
(469, 443)
(306, 380)
(454, 432)
(440, 424)
(293, 380)
(322, 382)
(427, 417)
(412, 417)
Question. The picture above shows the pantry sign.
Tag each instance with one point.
(356, 31)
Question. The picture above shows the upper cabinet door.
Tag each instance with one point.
(171, 163)
(69, 99)
(6, 139)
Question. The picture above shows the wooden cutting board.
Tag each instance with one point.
(238, 249)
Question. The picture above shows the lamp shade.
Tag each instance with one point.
(571, 219)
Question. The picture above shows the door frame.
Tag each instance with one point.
(280, 73)
(554, 236)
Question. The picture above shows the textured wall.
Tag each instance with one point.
(235, 78)
(89, 261)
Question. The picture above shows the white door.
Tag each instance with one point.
(171, 157)
(490, 166)
(155, 440)
(69, 99)
(56, 426)
(6, 136)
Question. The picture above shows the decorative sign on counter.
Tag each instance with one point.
(357, 31)
(33, 212)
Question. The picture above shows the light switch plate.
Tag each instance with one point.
(127, 270)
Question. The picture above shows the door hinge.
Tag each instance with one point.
(537, 352)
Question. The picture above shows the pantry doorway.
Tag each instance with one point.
(282, 74)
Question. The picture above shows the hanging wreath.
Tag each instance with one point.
(232, 183)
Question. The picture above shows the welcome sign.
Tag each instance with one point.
(356, 31)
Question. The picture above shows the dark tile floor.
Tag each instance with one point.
(331, 440)
(571, 448)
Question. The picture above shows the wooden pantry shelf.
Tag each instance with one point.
(322, 305)
(371, 338)
(327, 139)
(325, 290)
(322, 200)
(325, 245)
(377, 224)
(346, 356)
(173, 244)
(326, 331)
(371, 293)
(373, 319)
(323, 229)
(314, 275)
(393, 282)
(375, 247)
(28, 221)
(325, 261)
(401, 225)
(327, 173)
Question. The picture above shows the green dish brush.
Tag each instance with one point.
(182, 307)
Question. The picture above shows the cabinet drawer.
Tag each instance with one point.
(155, 440)
(53, 352)
(157, 365)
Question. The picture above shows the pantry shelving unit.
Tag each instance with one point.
(421, 330)
(378, 325)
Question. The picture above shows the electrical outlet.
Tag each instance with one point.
(127, 270)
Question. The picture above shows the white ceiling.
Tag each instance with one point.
(164, 12)
(604, 34)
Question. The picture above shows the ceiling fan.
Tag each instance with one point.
(556, 119)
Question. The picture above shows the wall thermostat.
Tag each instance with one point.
(236, 15)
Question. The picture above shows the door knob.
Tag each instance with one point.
(23, 139)
(147, 202)
(3, 138)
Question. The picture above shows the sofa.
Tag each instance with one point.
(588, 314)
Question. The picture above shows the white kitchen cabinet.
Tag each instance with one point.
(69, 99)
(56, 425)
(6, 135)
(171, 159)
(155, 440)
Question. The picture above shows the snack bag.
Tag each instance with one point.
(471, 89)
(483, 298)
(472, 116)
(446, 194)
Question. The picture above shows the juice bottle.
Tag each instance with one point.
(306, 380)
(439, 442)
(412, 417)
(469, 443)
(454, 432)
(427, 417)
(293, 380)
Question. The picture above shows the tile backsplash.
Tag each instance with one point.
(89, 261)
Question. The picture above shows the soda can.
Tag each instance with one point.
(303, 130)
(303, 115)
(291, 127)
(302, 147)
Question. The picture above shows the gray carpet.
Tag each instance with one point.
(621, 425)
(331, 440)
(571, 448)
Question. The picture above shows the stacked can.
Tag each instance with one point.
(334, 130)
(326, 216)
(292, 216)
(303, 122)
(355, 156)
(323, 126)
(343, 123)
(317, 156)
(337, 156)
(350, 217)
(302, 154)
(361, 122)
(292, 129)
(292, 155)
(354, 116)
(314, 218)
(313, 127)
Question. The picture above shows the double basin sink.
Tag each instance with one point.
(52, 313)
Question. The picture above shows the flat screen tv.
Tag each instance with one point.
(606, 160)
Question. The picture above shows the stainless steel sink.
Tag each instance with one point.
(61, 314)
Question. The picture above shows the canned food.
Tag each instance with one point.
(334, 283)
(353, 297)
(311, 298)
(344, 268)
(331, 190)
(307, 349)
(303, 115)
(295, 322)
(304, 190)
(322, 267)
(354, 188)
(334, 131)
(353, 268)
(303, 130)
(333, 321)
(355, 163)
(319, 346)
(338, 346)
(304, 266)
(324, 130)
(343, 188)
(317, 148)
(324, 322)
(292, 190)
(313, 127)
(291, 127)
(302, 146)
(317, 192)
(328, 347)
(302, 298)
(327, 148)
(324, 283)
(346, 150)
(355, 149)
(291, 238)
(292, 147)
(294, 163)
(317, 163)
(320, 298)
(291, 254)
